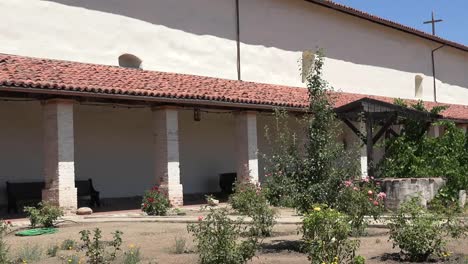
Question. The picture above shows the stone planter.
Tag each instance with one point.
(399, 190)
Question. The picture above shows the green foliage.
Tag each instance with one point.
(4, 248)
(359, 260)
(311, 171)
(245, 195)
(68, 244)
(248, 199)
(46, 214)
(445, 202)
(326, 236)
(419, 233)
(283, 162)
(29, 253)
(155, 202)
(180, 245)
(217, 238)
(415, 154)
(96, 249)
(132, 256)
(359, 199)
(52, 251)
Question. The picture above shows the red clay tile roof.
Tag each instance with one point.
(102, 79)
(385, 22)
(49, 76)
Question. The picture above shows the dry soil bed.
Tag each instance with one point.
(157, 240)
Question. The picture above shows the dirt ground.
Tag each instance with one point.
(157, 243)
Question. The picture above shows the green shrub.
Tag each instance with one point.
(419, 233)
(248, 199)
(415, 154)
(29, 253)
(445, 202)
(132, 256)
(278, 185)
(52, 251)
(68, 244)
(180, 245)
(4, 248)
(96, 249)
(45, 214)
(326, 236)
(359, 260)
(217, 239)
(155, 202)
(278, 189)
(359, 199)
(245, 193)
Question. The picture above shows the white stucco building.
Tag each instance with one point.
(71, 110)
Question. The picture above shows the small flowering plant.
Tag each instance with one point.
(326, 236)
(249, 200)
(154, 202)
(218, 239)
(420, 234)
(361, 198)
(247, 195)
(132, 255)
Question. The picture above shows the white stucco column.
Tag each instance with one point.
(363, 156)
(166, 135)
(59, 152)
(246, 146)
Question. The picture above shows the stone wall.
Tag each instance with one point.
(399, 190)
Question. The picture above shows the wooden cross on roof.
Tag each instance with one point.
(433, 21)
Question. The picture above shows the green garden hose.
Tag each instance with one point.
(37, 232)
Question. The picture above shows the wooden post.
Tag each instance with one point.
(369, 146)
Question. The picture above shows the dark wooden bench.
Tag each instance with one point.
(32, 191)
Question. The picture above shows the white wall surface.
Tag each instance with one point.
(20, 143)
(198, 37)
(168, 35)
(207, 149)
(113, 146)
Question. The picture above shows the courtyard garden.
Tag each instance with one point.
(312, 207)
(164, 242)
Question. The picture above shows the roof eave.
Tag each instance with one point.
(152, 99)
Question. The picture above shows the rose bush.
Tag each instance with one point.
(358, 199)
(326, 235)
(154, 202)
(218, 239)
(420, 234)
(248, 199)
(45, 214)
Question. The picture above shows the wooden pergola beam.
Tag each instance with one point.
(384, 128)
(355, 130)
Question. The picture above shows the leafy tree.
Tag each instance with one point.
(415, 154)
(314, 168)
